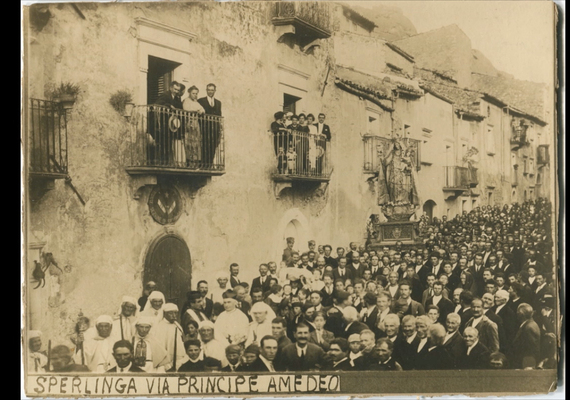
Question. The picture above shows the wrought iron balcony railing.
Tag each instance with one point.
(172, 141)
(457, 178)
(48, 139)
(311, 19)
(302, 156)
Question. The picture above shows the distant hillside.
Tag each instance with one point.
(392, 24)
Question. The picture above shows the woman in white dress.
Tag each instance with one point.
(193, 137)
(313, 153)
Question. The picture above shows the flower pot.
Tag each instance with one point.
(66, 101)
(128, 110)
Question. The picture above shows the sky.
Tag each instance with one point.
(516, 36)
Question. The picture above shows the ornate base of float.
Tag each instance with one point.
(391, 232)
(399, 228)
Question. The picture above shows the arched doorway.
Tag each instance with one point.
(168, 263)
(429, 208)
(295, 230)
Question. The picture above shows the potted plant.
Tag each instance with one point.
(122, 102)
(65, 94)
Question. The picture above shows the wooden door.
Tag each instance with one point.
(168, 264)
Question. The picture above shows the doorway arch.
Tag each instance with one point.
(429, 208)
(292, 224)
(168, 263)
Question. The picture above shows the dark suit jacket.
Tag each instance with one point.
(415, 309)
(372, 319)
(314, 358)
(342, 366)
(216, 110)
(525, 349)
(445, 306)
(405, 353)
(356, 273)
(132, 369)
(327, 337)
(259, 366)
(257, 283)
(437, 358)
(347, 274)
(234, 282)
(166, 99)
(335, 322)
(477, 359)
(325, 130)
(327, 298)
(208, 307)
(510, 324)
(488, 333)
(355, 327)
(74, 368)
(456, 347)
(331, 261)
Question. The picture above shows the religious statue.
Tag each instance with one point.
(397, 176)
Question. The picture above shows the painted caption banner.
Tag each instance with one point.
(131, 385)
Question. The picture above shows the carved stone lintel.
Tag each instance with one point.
(278, 187)
(283, 30)
(139, 182)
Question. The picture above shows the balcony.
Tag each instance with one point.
(165, 141)
(457, 181)
(48, 140)
(377, 147)
(302, 159)
(307, 21)
(542, 155)
(518, 135)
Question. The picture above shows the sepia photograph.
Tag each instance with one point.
(280, 198)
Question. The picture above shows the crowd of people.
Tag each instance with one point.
(300, 143)
(479, 292)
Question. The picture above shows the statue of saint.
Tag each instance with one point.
(397, 176)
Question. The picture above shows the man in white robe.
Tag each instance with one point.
(168, 333)
(232, 325)
(124, 321)
(37, 360)
(98, 349)
(210, 346)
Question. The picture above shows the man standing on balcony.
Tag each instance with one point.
(211, 125)
(169, 146)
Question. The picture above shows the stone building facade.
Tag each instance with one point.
(94, 215)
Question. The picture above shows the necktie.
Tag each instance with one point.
(302, 358)
(211, 100)
(122, 369)
(262, 280)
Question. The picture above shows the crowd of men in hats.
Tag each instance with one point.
(478, 293)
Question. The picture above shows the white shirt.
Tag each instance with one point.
(448, 336)
(476, 321)
(124, 370)
(540, 287)
(422, 344)
(499, 308)
(457, 308)
(531, 279)
(393, 290)
(211, 101)
(436, 299)
(411, 338)
(301, 350)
